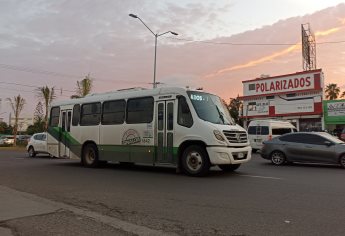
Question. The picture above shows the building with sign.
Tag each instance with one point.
(293, 97)
(23, 123)
(334, 115)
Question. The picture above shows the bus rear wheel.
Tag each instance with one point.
(195, 161)
(90, 156)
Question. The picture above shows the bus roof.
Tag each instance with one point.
(123, 94)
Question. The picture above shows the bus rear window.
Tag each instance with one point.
(252, 130)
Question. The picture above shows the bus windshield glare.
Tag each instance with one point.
(210, 108)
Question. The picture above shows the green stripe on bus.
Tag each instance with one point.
(75, 146)
(58, 134)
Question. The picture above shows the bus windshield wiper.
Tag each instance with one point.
(221, 115)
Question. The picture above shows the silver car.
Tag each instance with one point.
(312, 147)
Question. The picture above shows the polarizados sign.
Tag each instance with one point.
(336, 109)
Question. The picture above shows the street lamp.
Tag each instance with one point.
(156, 36)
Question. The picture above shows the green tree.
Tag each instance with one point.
(84, 87)
(234, 108)
(17, 105)
(332, 91)
(39, 124)
(37, 127)
(3, 127)
(47, 95)
(38, 114)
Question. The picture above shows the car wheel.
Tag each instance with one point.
(342, 161)
(278, 158)
(90, 156)
(229, 168)
(195, 161)
(31, 152)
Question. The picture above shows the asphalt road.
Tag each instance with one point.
(257, 199)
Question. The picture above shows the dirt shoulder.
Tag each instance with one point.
(10, 148)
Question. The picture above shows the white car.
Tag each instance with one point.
(7, 139)
(37, 144)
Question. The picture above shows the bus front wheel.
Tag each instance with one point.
(195, 161)
(90, 156)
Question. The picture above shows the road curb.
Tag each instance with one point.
(111, 221)
(5, 232)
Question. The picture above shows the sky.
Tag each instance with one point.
(219, 44)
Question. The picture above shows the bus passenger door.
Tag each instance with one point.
(165, 132)
(64, 140)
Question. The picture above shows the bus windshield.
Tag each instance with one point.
(210, 108)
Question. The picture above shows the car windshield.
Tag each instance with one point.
(331, 137)
(210, 108)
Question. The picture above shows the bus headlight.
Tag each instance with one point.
(218, 135)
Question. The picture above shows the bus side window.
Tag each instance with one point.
(113, 112)
(54, 116)
(184, 116)
(139, 110)
(76, 115)
(90, 114)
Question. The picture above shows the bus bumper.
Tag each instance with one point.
(229, 155)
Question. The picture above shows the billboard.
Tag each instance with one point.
(303, 81)
(336, 108)
(298, 94)
(334, 111)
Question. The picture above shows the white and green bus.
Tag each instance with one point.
(186, 129)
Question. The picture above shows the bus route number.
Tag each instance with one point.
(196, 97)
(146, 140)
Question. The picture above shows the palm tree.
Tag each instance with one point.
(47, 95)
(234, 108)
(343, 95)
(332, 91)
(17, 105)
(84, 87)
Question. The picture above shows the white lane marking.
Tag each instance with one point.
(262, 177)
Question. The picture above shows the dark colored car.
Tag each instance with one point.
(342, 135)
(312, 147)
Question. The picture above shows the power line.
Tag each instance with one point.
(32, 86)
(37, 71)
(247, 44)
(26, 91)
(50, 73)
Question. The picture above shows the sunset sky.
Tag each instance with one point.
(219, 44)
